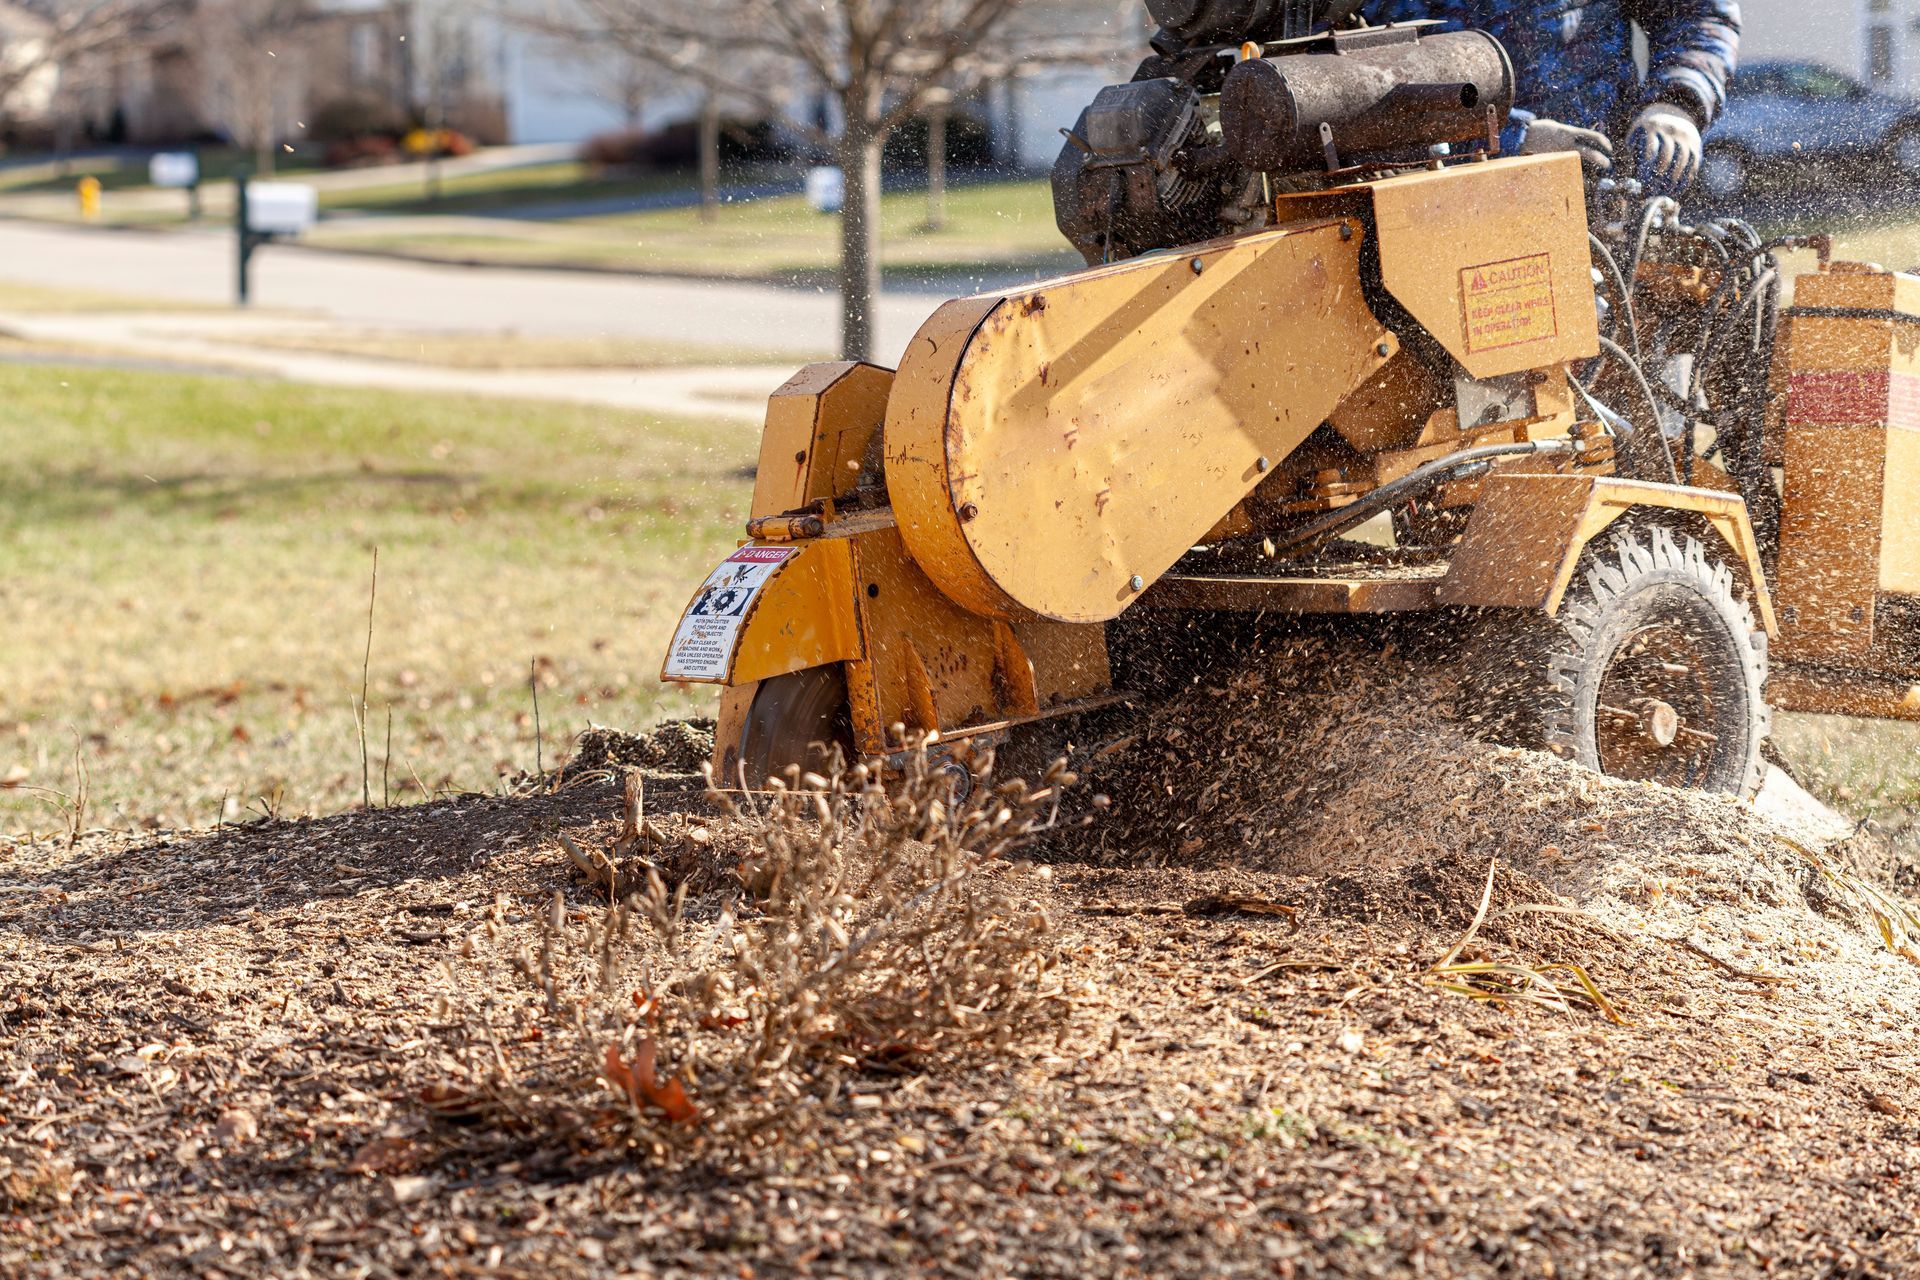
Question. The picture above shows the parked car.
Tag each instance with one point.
(1788, 116)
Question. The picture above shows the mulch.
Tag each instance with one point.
(217, 1048)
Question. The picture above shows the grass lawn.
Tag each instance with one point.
(217, 164)
(186, 577)
(505, 189)
(511, 350)
(998, 224)
(1870, 768)
(18, 296)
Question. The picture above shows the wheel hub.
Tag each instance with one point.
(1659, 722)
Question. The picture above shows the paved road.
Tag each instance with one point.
(198, 267)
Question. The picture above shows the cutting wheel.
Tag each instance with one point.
(795, 720)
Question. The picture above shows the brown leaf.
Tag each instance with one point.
(644, 1087)
(386, 1155)
(235, 1128)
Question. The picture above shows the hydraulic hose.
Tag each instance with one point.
(1619, 354)
(1619, 282)
(1421, 478)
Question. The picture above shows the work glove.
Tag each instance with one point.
(1669, 144)
(1544, 136)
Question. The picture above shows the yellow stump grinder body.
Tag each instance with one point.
(1317, 298)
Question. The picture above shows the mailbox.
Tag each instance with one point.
(826, 189)
(174, 169)
(281, 208)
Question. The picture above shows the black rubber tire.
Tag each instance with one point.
(799, 719)
(1649, 617)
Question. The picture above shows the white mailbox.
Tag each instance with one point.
(826, 189)
(174, 169)
(281, 208)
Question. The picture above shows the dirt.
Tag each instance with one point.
(215, 1047)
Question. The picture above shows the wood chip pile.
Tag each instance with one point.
(1350, 993)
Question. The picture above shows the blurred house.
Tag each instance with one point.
(1876, 42)
(1029, 82)
(27, 80)
(360, 63)
(341, 67)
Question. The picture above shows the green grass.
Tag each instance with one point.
(186, 574)
(217, 164)
(1000, 224)
(504, 189)
(470, 350)
(1867, 768)
(19, 296)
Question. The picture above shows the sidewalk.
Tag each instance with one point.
(191, 340)
(216, 196)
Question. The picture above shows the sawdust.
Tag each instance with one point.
(1341, 764)
(222, 1049)
(676, 747)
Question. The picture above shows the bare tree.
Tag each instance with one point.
(595, 69)
(251, 52)
(71, 30)
(876, 62)
(627, 69)
(442, 51)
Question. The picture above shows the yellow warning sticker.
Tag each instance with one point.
(1509, 303)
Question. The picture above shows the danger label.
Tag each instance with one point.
(1508, 303)
(703, 646)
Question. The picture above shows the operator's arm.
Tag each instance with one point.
(1692, 46)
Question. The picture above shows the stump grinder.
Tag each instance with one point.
(1639, 492)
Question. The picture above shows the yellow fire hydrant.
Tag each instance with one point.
(89, 193)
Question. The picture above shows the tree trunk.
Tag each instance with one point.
(436, 123)
(709, 157)
(860, 241)
(265, 114)
(937, 114)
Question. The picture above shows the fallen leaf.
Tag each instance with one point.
(235, 1127)
(643, 1086)
(386, 1155)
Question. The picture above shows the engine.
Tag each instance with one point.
(1245, 97)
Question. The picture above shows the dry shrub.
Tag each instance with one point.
(874, 923)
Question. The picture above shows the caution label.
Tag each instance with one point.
(703, 646)
(1509, 303)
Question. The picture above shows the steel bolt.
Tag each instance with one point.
(1198, 266)
(968, 511)
(1137, 583)
(1385, 349)
(1346, 231)
(1261, 464)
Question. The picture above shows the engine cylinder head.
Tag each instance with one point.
(1382, 91)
